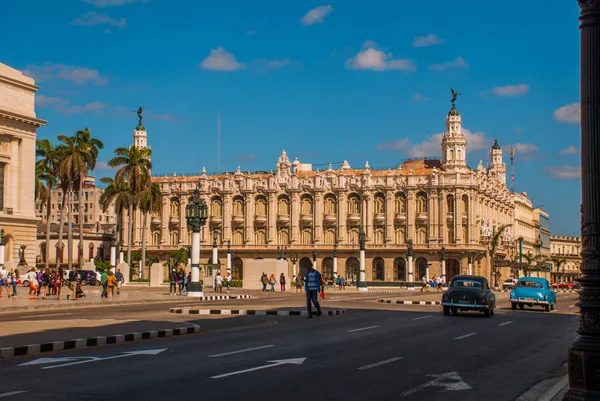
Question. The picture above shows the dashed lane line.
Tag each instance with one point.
(374, 365)
(362, 328)
(464, 336)
(505, 323)
(422, 317)
(12, 393)
(241, 351)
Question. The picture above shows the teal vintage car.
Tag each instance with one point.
(533, 291)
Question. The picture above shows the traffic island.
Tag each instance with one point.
(244, 312)
(79, 343)
(401, 302)
(220, 297)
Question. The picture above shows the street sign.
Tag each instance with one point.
(271, 364)
(87, 359)
(441, 380)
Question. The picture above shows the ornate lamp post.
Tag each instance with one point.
(196, 214)
(470, 264)
(113, 253)
(228, 256)
(362, 281)
(314, 253)
(215, 250)
(2, 246)
(294, 259)
(335, 246)
(122, 254)
(410, 263)
(443, 258)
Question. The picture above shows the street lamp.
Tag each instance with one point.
(314, 253)
(113, 253)
(215, 251)
(196, 214)
(229, 256)
(2, 245)
(294, 259)
(362, 283)
(443, 257)
(410, 263)
(335, 246)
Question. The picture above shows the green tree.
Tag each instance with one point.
(134, 166)
(558, 263)
(149, 200)
(115, 193)
(495, 243)
(530, 258)
(180, 256)
(90, 146)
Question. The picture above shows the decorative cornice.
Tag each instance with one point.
(589, 5)
(21, 118)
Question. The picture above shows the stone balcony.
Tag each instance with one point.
(329, 218)
(238, 219)
(260, 220)
(400, 217)
(156, 221)
(379, 218)
(283, 219)
(354, 218)
(306, 218)
(216, 220)
(174, 220)
(450, 216)
(422, 217)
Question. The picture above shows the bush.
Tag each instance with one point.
(141, 280)
(102, 265)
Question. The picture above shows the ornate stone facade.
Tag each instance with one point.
(434, 203)
(569, 249)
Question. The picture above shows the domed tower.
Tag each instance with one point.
(140, 137)
(497, 167)
(454, 141)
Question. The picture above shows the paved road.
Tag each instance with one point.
(365, 355)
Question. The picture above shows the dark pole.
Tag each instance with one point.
(584, 351)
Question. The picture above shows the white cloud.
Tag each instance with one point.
(392, 145)
(510, 90)
(432, 146)
(220, 59)
(570, 113)
(316, 15)
(248, 158)
(42, 101)
(276, 64)
(419, 97)
(458, 62)
(94, 18)
(569, 150)
(526, 148)
(563, 172)
(429, 40)
(77, 75)
(371, 58)
(250, 32)
(111, 3)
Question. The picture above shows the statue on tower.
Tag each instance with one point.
(455, 95)
(139, 113)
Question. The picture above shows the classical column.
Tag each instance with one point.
(458, 217)
(164, 221)
(410, 215)
(249, 217)
(335, 259)
(368, 213)
(295, 223)
(3, 246)
(272, 219)
(227, 215)
(228, 256)
(215, 255)
(315, 259)
(341, 220)
(113, 256)
(318, 219)
(443, 264)
(389, 218)
(584, 351)
(410, 264)
(362, 281)
(431, 201)
(182, 224)
(470, 265)
(443, 218)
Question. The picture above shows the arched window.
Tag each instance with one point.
(399, 237)
(306, 204)
(421, 268)
(450, 204)
(379, 236)
(353, 236)
(421, 236)
(91, 252)
(260, 206)
(329, 237)
(330, 204)
(353, 204)
(352, 270)
(283, 205)
(400, 203)
(465, 205)
(260, 237)
(237, 268)
(283, 237)
(327, 267)
(378, 269)
(421, 205)
(451, 154)
(174, 207)
(237, 237)
(379, 203)
(238, 206)
(400, 269)
(43, 252)
(451, 238)
(174, 237)
(465, 237)
(216, 206)
(306, 237)
(305, 264)
(156, 238)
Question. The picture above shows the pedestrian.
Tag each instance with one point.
(45, 282)
(3, 280)
(73, 285)
(180, 280)
(344, 283)
(58, 282)
(264, 281)
(282, 282)
(219, 283)
(33, 283)
(299, 283)
(424, 284)
(14, 274)
(438, 283)
(103, 281)
(120, 280)
(188, 280)
(338, 282)
(272, 282)
(111, 283)
(312, 286)
(228, 279)
(173, 282)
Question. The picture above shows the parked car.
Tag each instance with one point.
(509, 284)
(533, 291)
(87, 277)
(469, 293)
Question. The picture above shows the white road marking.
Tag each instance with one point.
(423, 317)
(373, 365)
(464, 336)
(123, 355)
(241, 351)
(46, 316)
(362, 328)
(505, 323)
(292, 361)
(12, 393)
(571, 306)
(441, 380)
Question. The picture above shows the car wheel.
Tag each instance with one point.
(552, 307)
(513, 305)
(446, 310)
(521, 306)
(25, 283)
(486, 312)
(547, 308)
(492, 311)
(454, 311)
(84, 282)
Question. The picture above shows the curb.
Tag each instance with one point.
(252, 312)
(78, 343)
(402, 289)
(393, 301)
(557, 291)
(221, 297)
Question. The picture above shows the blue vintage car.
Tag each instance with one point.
(533, 291)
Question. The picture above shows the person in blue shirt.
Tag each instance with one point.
(312, 286)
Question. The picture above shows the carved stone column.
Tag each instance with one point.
(458, 211)
(318, 219)
(368, 215)
(584, 351)
(342, 216)
(410, 215)
(249, 218)
(295, 220)
(431, 220)
(164, 221)
(389, 217)
(443, 212)
(183, 235)
(227, 215)
(272, 219)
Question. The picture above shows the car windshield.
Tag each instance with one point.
(467, 283)
(532, 284)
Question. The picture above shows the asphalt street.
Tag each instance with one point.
(398, 353)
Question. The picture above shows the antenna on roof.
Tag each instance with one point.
(512, 169)
(218, 141)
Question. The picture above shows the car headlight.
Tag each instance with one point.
(512, 294)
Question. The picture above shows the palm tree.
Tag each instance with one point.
(149, 200)
(134, 169)
(494, 243)
(42, 194)
(49, 159)
(558, 262)
(90, 146)
(530, 258)
(74, 160)
(117, 193)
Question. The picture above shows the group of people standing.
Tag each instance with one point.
(435, 282)
(219, 282)
(178, 280)
(270, 280)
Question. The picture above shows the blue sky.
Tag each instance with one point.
(325, 80)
